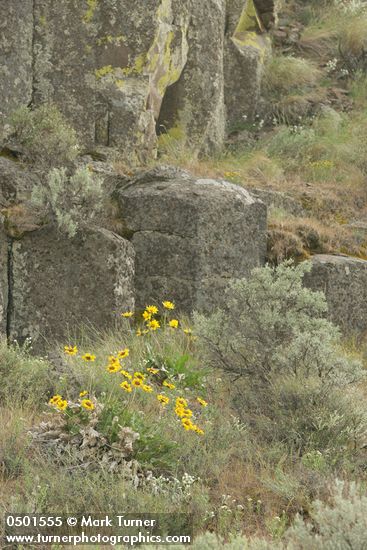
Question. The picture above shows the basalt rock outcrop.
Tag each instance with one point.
(175, 237)
(123, 72)
(190, 236)
(343, 279)
(56, 285)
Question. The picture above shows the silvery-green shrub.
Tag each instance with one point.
(69, 200)
(292, 382)
(46, 138)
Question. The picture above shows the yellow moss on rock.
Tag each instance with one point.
(89, 14)
(110, 39)
(103, 71)
(137, 67)
(250, 33)
(165, 61)
(249, 20)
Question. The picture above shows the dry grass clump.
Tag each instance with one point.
(285, 73)
(353, 42)
(289, 87)
(299, 238)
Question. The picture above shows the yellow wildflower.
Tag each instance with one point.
(87, 404)
(147, 388)
(70, 350)
(137, 382)
(168, 305)
(55, 399)
(62, 404)
(163, 399)
(187, 424)
(126, 374)
(153, 310)
(139, 375)
(154, 324)
(181, 402)
(231, 174)
(139, 332)
(173, 323)
(202, 402)
(198, 430)
(188, 331)
(123, 353)
(113, 367)
(83, 393)
(147, 316)
(89, 357)
(152, 371)
(127, 314)
(126, 386)
(169, 385)
(182, 412)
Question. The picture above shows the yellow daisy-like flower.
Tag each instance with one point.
(127, 314)
(113, 367)
(168, 305)
(180, 411)
(163, 399)
(198, 430)
(126, 386)
(187, 424)
(188, 331)
(169, 385)
(62, 404)
(202, 402)
(173, 323)
(89, 357)
(146, 316)
(87, 404)
(181, 402)
(70, 350)
(147, 388)
(126, 374)
(187, 413)
(153, 310)
(154, 324)
(137, 382)
(123, 353)
(55, 399)
(152, 371)
(139, 375)
(83, 393)
(139, 332)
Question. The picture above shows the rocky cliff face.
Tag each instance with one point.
(124, 72)
(179, 238)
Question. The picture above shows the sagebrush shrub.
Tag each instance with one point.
(298, 387)
(340, 525)
(46, 138)
(70, 200)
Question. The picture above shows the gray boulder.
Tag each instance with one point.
(193, 108)
(16, 60)
(57, 284)
(246, 48)
(343, 279)
(191, 236)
